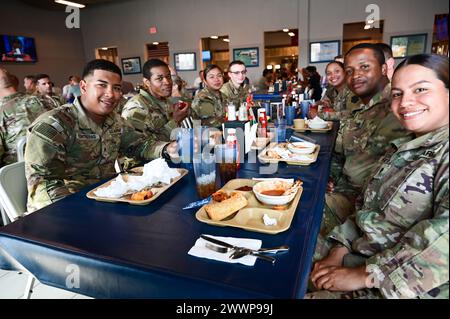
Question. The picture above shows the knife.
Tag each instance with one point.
(198, 203)
(218, 242)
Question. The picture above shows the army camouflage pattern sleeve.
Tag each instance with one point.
(418, 264)
(208, 109)
(140, 146)
(15, 117)
(44, 161)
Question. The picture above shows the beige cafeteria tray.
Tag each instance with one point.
(315, 130)
(309, 158)
(251, 216)
(127, 198)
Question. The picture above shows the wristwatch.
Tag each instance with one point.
(164, 153)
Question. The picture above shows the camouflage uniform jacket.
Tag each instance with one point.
(149, 115)
(403, 225)
(343, 103)
(233, 94)
(17, 112)
(208, 107)
(53, 101)
(67, 151)
(366, 137)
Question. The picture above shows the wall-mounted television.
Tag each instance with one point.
(17, 49)
(206, 55)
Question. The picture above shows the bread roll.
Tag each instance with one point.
(218, 211)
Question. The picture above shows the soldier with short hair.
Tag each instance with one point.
(208, 104)
(364, 137)
(17, 111)
(76, 145)
(396, 245)
(235, 90)
(44, 88)
(150, 111)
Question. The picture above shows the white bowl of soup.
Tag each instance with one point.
(272, 192)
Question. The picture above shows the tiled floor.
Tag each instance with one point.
(12, 286)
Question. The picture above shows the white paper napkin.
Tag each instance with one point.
(154, 172)
(200, 250)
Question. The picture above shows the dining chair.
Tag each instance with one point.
(13, 190)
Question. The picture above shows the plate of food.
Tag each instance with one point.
(141, 186)
(253, 205)
(281, 152)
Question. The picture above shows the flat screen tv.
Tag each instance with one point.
(206, 55)
(17, 49)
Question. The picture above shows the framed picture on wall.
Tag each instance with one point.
(131, 65)
(250, 56)
(324, 51)
(185, 61)
(407, 45)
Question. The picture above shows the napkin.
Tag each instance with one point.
(154, 172)
(200, 250)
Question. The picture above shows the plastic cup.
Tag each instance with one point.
(205, 174)
(299, 123)
(185, 140)
(305, 109)
(226, 159)
(290, 114)
(280, 130)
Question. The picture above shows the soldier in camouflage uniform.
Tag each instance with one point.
(364, 137)
(17, 111)
(208, 104)
(44, 88)
(76, 145)
(149, 111)
(338, 96)
(396, 245)
(235, 90)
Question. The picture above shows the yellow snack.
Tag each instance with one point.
(218, 211)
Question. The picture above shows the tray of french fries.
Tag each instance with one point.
(236, 205)
(281, 152)
(140, 197)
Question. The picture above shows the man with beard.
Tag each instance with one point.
(76, 145)
(150, 111)
(366, 135)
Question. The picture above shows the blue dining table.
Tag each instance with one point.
(118, 250)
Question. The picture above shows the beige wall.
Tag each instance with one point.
(59, 50)
(184, 22)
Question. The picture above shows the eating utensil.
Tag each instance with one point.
(219, 249)
(239, 253)
(216, 242)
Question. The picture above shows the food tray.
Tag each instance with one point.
(127, 198)
(264, 158)
(260, 143)
(251, 216)
(316, 130)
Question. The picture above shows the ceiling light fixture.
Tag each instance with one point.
(277, 67)
(291, 34)
(370, 21)
(367, 27)
(155, 43)
(285, 30)
(105, 48)
(269, 67)
(226, 40)
(214, 37)
(69, 3)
